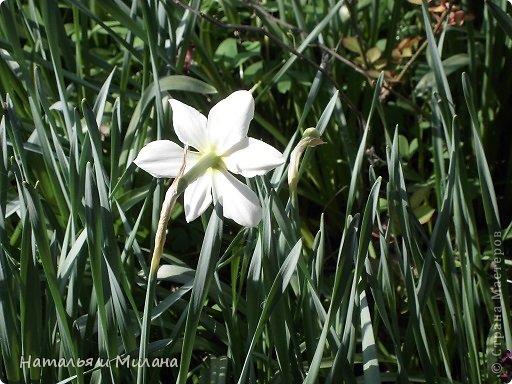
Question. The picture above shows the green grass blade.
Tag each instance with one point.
(58, 46)
(101, 100)
(204, 275)
(278, 287)
(31, 307)
(94, 232)
(39, 230)
(362, 147)
(504, 20)
(114, 276)
(439, 73)
(305, 43)
(370, 356)
(184, 32)
(491, 210)
(348, 248)
(9, 331)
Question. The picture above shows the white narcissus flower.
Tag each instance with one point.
(222, 138)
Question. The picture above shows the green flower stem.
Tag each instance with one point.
(177, 187)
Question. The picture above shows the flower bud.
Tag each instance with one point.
(310, 138)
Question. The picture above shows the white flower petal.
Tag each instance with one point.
(189, 124)
(228, 120)
(253, 157)
(198, 196)
(238, 201)
(163, 158)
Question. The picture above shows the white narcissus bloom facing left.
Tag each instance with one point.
(223, 137)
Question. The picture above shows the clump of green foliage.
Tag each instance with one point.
(391, 263)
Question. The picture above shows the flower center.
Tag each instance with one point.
(207, 161)
(215, 160)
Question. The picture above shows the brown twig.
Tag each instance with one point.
(360, 41)
(346, 61)
(370, 80)
(280, 43)
(418, 52)
(269, 16)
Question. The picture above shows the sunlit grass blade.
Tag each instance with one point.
(278, 287)
(184, 33)
(13, 130)
(56, 182)
(58, 45)
(31, 306)
(9, 330)
(101, 99)
(409, 254)
(94, 231)
(203, 277)
(39, 230)
(362, 147)
(370, 357)
(113, 277)
(340, 298)
(490, 207)
(441, 227)
(115, 144)
(148, 13)
(216, 373)
(446, 103)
